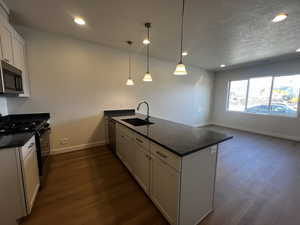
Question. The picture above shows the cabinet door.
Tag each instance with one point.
(121, 145)
(6, 36)
(131, 154)
(165, 188)
(19, 55)
(124, 149)
(142, 168)
(31, 177)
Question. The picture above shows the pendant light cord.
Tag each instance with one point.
(148, 49)
(130, 65)
(181, 42)
(129, 58)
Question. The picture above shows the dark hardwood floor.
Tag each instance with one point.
(258, 183)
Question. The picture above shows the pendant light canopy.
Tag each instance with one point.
(180, 68)
(129, 81)
(147, 77)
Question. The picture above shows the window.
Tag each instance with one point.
(237, 95)
(285, 95)
(272, 95)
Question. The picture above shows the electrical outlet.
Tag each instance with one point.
(64, 141)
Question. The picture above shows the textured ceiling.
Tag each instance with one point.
(231, 32)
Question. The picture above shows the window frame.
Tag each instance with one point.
(270, 97)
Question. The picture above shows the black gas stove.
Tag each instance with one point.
(21, 126)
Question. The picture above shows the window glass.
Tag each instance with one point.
(285, 95)
(259, 95)
(237, 95)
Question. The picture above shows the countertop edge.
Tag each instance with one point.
(27, 137)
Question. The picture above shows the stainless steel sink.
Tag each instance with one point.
(137, 122)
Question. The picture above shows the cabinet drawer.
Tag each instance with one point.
(171, 159)
(126, 131)
(142, 142)
(28, 147)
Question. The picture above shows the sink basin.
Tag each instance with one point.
(137, 122)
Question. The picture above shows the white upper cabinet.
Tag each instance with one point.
(19, 56)
(18, 53)
(6, 35)
(13, 51)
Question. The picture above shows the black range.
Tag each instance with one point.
(177, 138)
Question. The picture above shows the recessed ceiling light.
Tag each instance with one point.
(79, 20)
(222, 65)
(280, 17)
(185, 53)
(298, 50)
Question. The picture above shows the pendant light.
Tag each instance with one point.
(147, 77)
(129, 81)
(180, 68)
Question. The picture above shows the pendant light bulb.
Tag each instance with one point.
(180, 68)
(146, 41)
(129, 82)
(147, 77)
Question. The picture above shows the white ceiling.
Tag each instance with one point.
(231, 32)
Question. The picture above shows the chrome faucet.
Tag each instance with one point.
(138, 108)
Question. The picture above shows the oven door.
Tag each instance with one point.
(43, 149)
(11, 79)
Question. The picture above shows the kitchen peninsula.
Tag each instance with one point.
(174, 164)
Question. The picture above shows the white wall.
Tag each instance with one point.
(76, 80)
(3, 106)
(271, 125)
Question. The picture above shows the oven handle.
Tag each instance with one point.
(37, 133)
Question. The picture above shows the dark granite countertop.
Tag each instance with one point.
(14, 140)
(177, 138)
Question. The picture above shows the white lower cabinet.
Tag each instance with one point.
(30, 174)
(126, 148)
(19, 182)
(182, 188)
(165, 183)
(142, 168)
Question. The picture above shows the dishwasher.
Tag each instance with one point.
(111, 125)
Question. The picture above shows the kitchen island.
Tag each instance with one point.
(174, 164)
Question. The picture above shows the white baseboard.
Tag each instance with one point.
(282, 136)
(205, 124)
(77, 147)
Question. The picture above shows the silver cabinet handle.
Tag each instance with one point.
(161, 154)
(139, 140)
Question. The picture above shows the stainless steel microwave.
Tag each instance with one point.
(11, 79)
